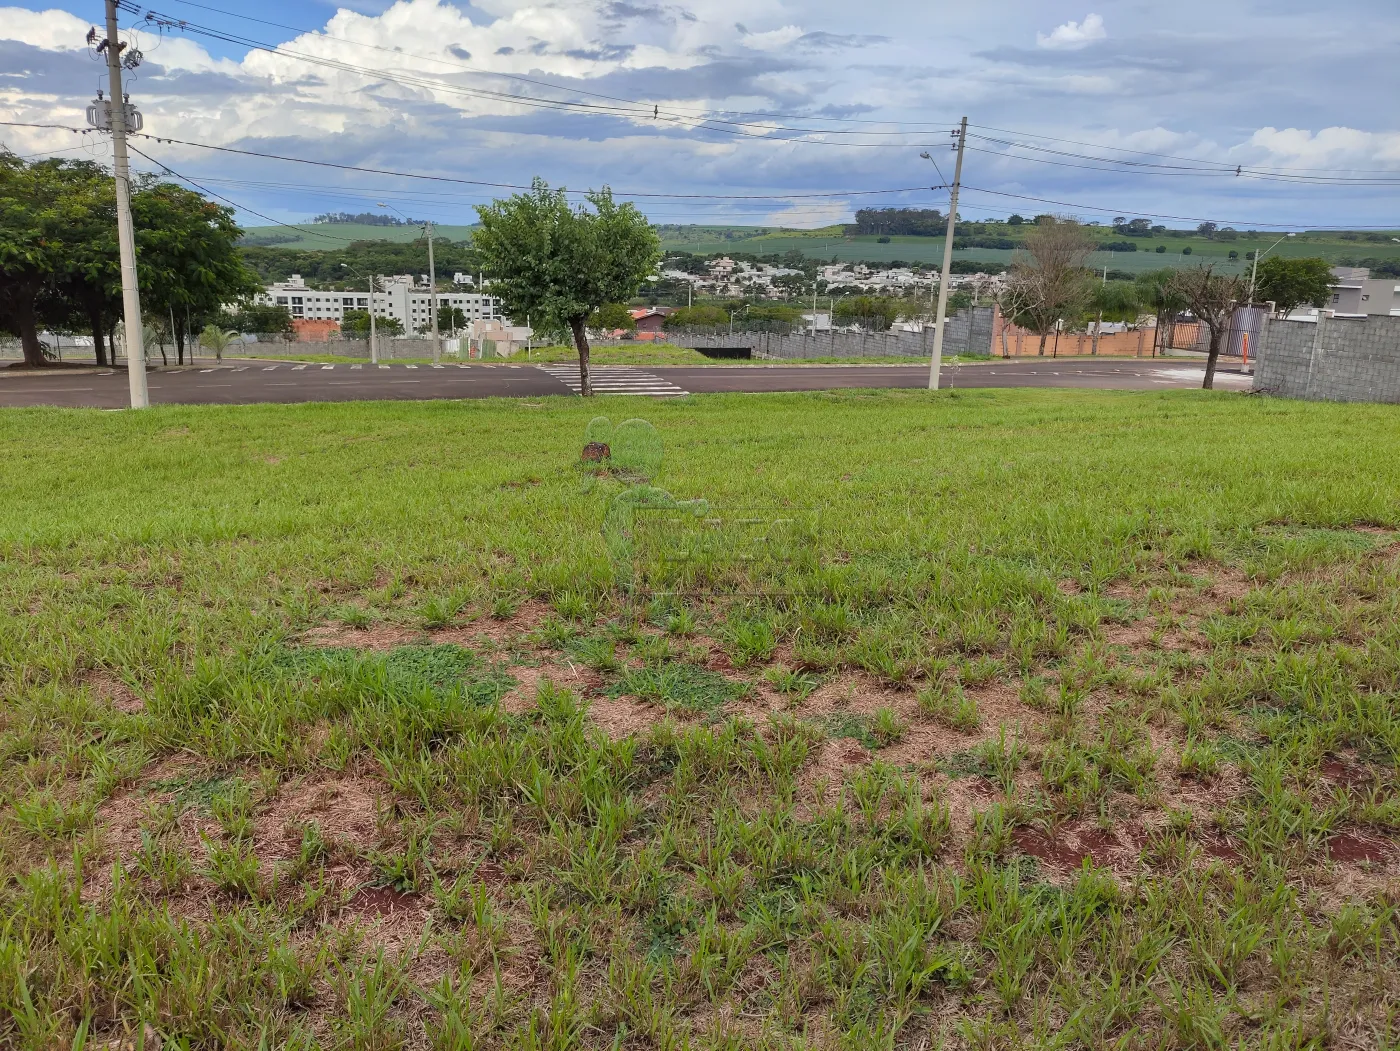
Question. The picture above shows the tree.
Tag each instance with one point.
(217, 339)
(1015, 220)
(451, 318)
(873, 313)
(1207, 229)
(355, 324)
(1116, 301)
(1291, 283)
(1212, 298)
(702, 316)
(53, 239)
(1052, 284)
(1155, 292)
(556, 263)
(187, 260)
(256, 318)
(612, 316)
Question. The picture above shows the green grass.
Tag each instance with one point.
(333, 726)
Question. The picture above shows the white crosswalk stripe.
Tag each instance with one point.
(298, 368)
(615, 379)
(324, 367)
(269, 368)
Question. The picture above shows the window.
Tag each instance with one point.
(1336, 297)
(363, 301)
(296, 301)
(281, 301)
(348, 301)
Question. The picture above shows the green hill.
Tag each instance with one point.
(1338, 247)
(321, 236)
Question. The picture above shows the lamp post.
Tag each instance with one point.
(1254, 271)
(373, 350)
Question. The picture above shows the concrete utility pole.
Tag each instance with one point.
(432, 292)
(126, 237)
(936, 362)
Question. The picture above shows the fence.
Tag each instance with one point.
(1332, 359)
(969, 332)
(1139, 343)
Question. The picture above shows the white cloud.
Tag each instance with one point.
(1074, 35)
(773, 39)
(1328, 146)
(54, 30)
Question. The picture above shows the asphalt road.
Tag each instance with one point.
(252, 381)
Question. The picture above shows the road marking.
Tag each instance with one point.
(325, 367)
(464, 366)
(357, 366)
(410, 366)
(439, 366)
(383, 366)
(243, 368)
(514, 366)
(298, 368)
(206, 370)
(269, 368)
(614, 379)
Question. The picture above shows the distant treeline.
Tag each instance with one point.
(365, 219)
(323, 267)
(1378, 267)
(907, 222)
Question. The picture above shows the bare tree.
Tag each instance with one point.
(1011, 299)
(1049, 275)
(1212, 298)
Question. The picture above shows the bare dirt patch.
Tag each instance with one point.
(345, 809)
(112, 690)
(620, 717)
(1067, 846)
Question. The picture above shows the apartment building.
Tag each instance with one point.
(401, 298)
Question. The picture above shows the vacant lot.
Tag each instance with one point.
(968, 720)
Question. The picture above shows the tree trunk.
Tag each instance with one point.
(1215, 336)
(22, 311)
(1043, 337)
(1094, 352)
(581, 342)
(99, 349)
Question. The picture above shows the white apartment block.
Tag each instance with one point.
(399, 299)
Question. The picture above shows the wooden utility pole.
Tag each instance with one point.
(936, 361)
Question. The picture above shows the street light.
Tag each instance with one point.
(373, 349)
(1254, 272)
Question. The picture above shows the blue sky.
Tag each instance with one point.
(763, 101)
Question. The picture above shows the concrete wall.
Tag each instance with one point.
(1335, 359)
(969, 332)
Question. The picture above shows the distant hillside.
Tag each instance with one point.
(321, 236)
(985, 242)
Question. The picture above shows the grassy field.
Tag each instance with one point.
(978, 720)
(320, 236)
(831, 243)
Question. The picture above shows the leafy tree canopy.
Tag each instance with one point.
(555, 263)
(1291, 283)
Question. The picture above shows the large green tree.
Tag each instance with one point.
(57, 249)
(555, 263)
(187, 258)
(1292, 283)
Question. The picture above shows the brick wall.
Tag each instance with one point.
(1336, 359)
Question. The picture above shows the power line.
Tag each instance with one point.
(623, 108)
(1231, 165)
(922, 125)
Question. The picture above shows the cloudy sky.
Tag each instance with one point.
(755, 111)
